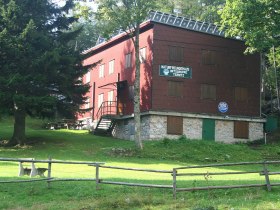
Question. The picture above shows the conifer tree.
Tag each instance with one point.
(39, 70)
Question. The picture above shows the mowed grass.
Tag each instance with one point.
(162, 155)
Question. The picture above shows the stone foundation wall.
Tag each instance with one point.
(192, 128)
(154, 127)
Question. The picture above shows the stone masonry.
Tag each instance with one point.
(154, 127)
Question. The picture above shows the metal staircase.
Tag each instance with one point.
(107, 115)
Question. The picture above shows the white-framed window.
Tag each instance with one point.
(88, 77)
(142, 54)
(100, 99)
(111, 66)
(111, 96)
(87, 104)
(128, 62)
(101, 70)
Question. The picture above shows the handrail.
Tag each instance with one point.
(107, 108)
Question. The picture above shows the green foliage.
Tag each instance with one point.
(256, 21)
(127, 15)
(87, 37)
(203, 10)
(40, 71)
(122, 14)
(81, 146)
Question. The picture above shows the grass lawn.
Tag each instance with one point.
(163, 155)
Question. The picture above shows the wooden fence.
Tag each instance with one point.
(175, 173)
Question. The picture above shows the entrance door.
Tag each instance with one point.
(208, 129)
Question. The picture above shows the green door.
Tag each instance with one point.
(208, 129)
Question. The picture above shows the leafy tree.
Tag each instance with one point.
(257, 21)
(127, 15)
(204, 10)
(87, 37)
(39, 71)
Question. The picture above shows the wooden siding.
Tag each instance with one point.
(117, 51)
(214, 60)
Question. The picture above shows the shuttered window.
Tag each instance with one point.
(174, 125)
(100, 99)
(128, 62)
(208, 91)
(176, 53)
(110, 96)
(101, 71)
(88, 77)
(209, 57)
(142, 53)
(111, 66)
(241, 129)
(241, 94)
(175, 88)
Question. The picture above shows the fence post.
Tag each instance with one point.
(174, 174)
(49, 171)
(97, 176)
(265, 171)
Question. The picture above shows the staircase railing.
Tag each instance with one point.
(107, 108)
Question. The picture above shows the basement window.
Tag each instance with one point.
(241, 129)
(174, 125)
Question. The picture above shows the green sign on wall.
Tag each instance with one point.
(175, 71)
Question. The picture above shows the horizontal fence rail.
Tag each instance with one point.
(175, 173)
(137, 169)
(31, 160)
(101, 181)
(264, 172)
(229, 164)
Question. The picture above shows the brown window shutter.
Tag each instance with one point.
(176, 53)
(208, 91)
(174, 125)
(209, 57)
(241, 129)
(241, 94)
(175, 88)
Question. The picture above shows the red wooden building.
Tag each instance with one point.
(194, 82)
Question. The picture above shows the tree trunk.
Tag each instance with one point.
(137, 118)
(19, 128)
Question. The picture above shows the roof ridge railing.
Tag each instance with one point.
(180, 22)
(186, 23)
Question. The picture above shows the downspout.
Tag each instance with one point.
(276, 80)
(261, 82)
(93, 101)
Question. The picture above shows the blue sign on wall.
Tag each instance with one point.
(223, 107)
(175, 71)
